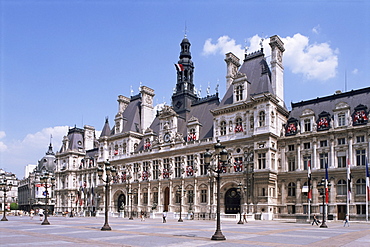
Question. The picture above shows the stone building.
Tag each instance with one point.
(159, 155)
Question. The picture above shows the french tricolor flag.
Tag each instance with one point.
(179, 67)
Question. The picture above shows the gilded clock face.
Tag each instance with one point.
(167, 137)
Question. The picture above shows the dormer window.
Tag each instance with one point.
(238, 125)
(341, 119)
(239, 93)
(147, 144)
(192, 135)
(307, 125)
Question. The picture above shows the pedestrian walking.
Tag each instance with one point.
(142, 215)
(315, 220)
(41, 213)
(32, 213)
(346, 221)
(164, 216)
(245, 218)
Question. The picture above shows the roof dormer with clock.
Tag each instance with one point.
(168, 124)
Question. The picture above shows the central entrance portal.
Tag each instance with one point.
(232, 201)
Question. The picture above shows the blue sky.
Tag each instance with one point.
(63, 63)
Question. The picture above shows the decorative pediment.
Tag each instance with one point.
(360, 115)
(307, 112)
(167, 111)
(341, 106)
(323, 122)
(291, 128)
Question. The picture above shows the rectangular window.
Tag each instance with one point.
(360, 139)
(324, 143)
(360, 157)
(342, 161)
(177, 167)
(262, 161)
(361, 209)
(290, 147)
(341, 141)
(145, 198)
(306, 159)
(155, 197)
(341, 119)
(155, 169)
(291, 164)
(307, 125)
(203, 167)
(306, 145)
(203, 196)
(323, 160)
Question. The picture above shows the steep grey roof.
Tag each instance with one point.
(131, 115)
(352, 98)
(258, 73)
(106, 129)
(48, 161)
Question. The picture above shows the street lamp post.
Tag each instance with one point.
(130, 194)
(221, 159)
(179, 192)
(110, 172)
(44, 182)
(322, 188)
(240, 190)
(5, 187)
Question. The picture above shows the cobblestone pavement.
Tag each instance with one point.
(79, 231)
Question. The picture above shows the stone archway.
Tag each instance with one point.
(121, 202)
(232, 201)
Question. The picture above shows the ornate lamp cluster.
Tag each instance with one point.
(110, 174)
(5, 186)
(47, 180)
(220, 155)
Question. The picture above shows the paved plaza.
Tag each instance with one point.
(80, 231)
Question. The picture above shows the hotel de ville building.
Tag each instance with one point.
(276, 158)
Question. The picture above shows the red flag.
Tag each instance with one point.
(179, 67)
(309, 180)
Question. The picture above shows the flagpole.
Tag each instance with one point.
(367, 188)
(309, 190)
(348, 185)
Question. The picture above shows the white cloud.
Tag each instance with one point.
(224, 45)
(3, 146)
(355, 71)
(316, 30)
(33, 147)
(313, 61)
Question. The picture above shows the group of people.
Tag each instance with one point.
(39, 211)
(345, 221)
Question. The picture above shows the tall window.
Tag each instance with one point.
(306, 159)
(177, 166)
(136, 170)
(262, 161)
(342, 187)
(291, 189)
(223, 128)
(360, 186)
(145, 198)
(203, 166)
(307, 145)
(251, 122)
(190, 165)
(307, 125)
(190, 196)
(291, 164)
(360, 157)
(239, 93)
(291, 147)
(238, 125)
(155, 197)
(155, 169)
(203, 196)
(166, 168)
(341, 119)
(341, 141)
(342, 161)
(323, 159)
(324, 143)
(261, 118)
(360, 139)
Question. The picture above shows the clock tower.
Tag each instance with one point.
(184, 94)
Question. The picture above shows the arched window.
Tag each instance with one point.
(360, 186)
(291, 189)
(239, 93)
(223, 128)
(261, 119)
(341, 187)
